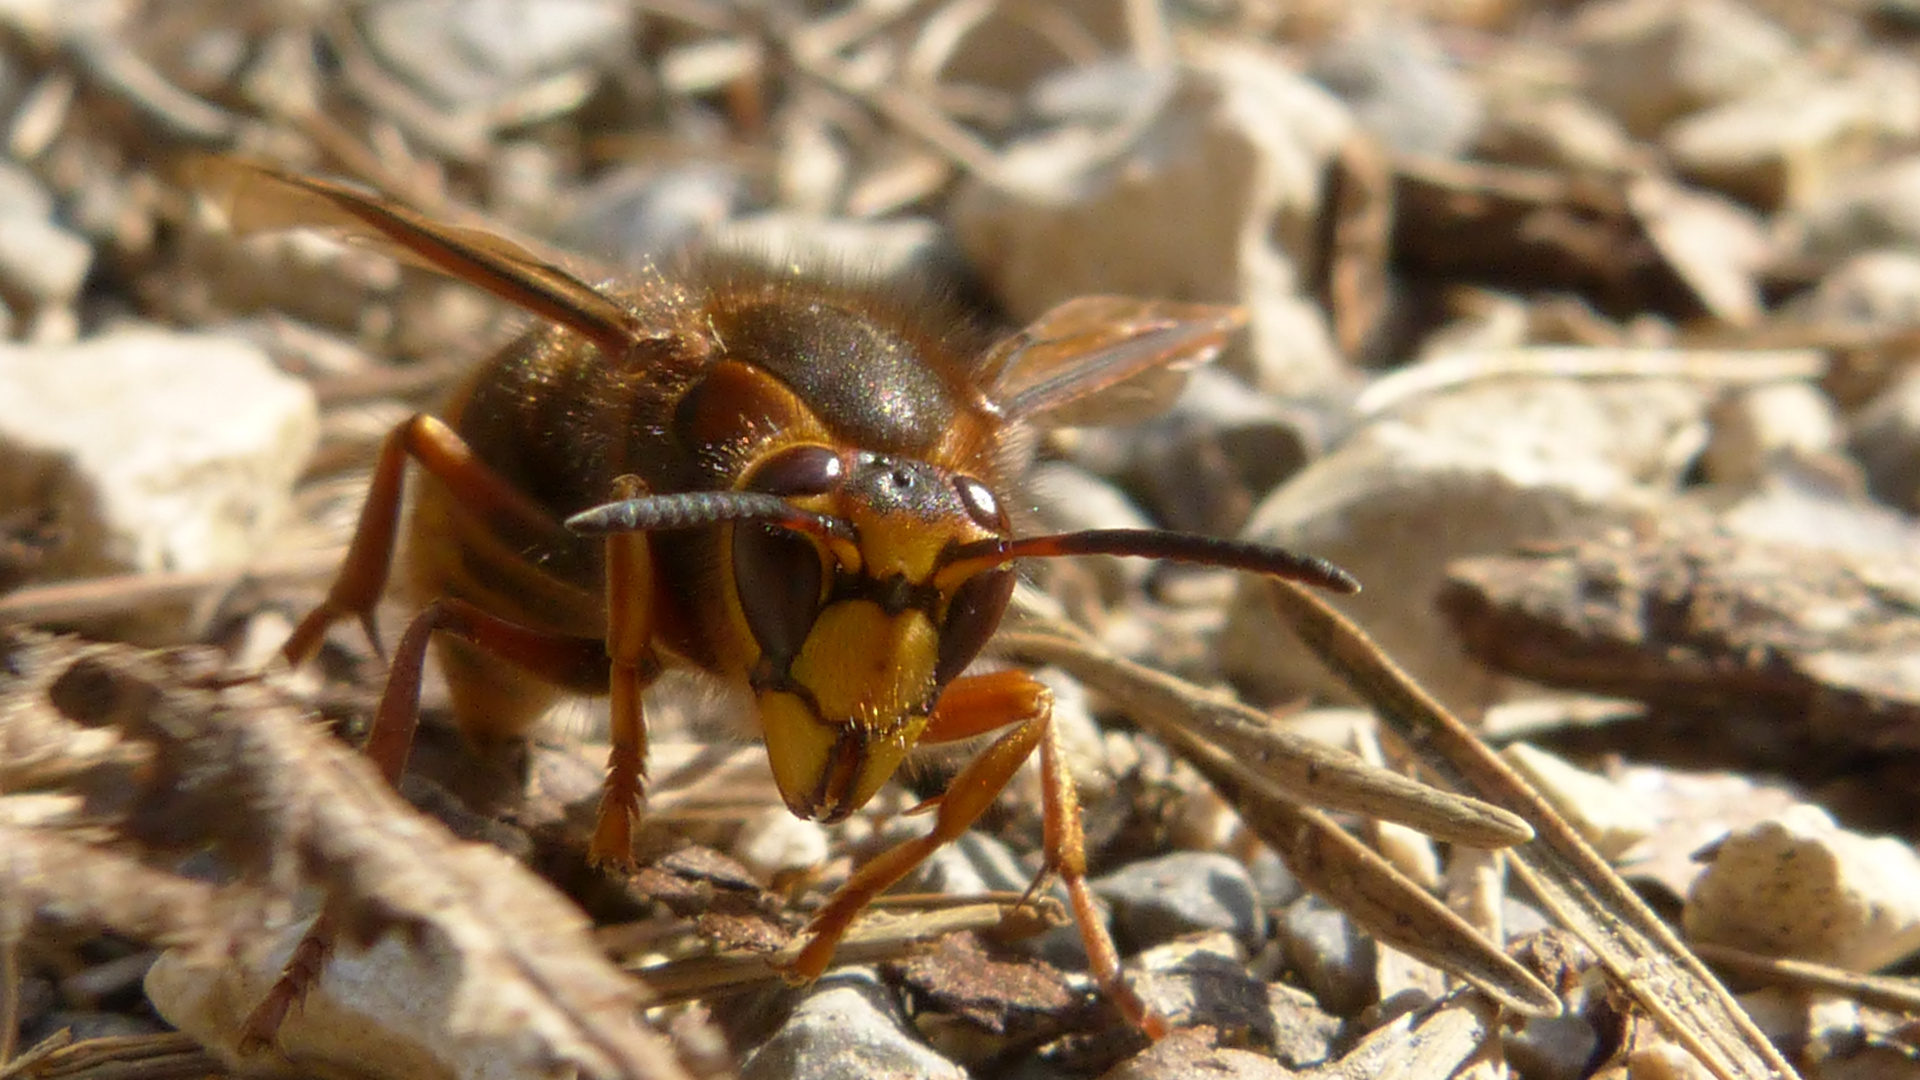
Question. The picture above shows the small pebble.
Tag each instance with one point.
(1754, 428)
(1402, 88)
(39, 259)
(1158, 899)
(775, 843)
(1799, 886)
(978, 863)
(1201, 980)
(1558, 1048)
(1610, 819)
(1330, 954)
(1278, 887)
(464, 52)
(847, 1025)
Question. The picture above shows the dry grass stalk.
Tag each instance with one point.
(1578, 888)
(1267, 775)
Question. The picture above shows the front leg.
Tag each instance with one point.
(630, 613)
(970, 707)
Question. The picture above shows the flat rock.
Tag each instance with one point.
(1484, 469)
(152, 451)
(973, 1006)
(1821, 642)
(847, 1025)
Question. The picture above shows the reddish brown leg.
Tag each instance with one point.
(363, 576)
(556, 658)
(629, 647)
(567, 661)
(973, 706)
(303, 968)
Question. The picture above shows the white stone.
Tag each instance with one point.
(1878, 289)
(1756, 426)
(1783, 145)
(774, 843)
(42, 260)
(1650, 61)
(1485, 469)
(1217, 197)
(152, 451)
(1797, 885)
(1609, 818)
(1878, 206)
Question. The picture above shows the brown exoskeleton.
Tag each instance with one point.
(797, 486)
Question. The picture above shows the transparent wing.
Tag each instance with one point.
(257, 198)
(1104, 359)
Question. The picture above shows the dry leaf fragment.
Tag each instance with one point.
(489, 971)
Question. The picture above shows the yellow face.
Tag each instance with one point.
(856, 639)
(863, 684)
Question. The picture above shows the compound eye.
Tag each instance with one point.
(778, 575)
(799, 470)
(981, 506)
(971, 619)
